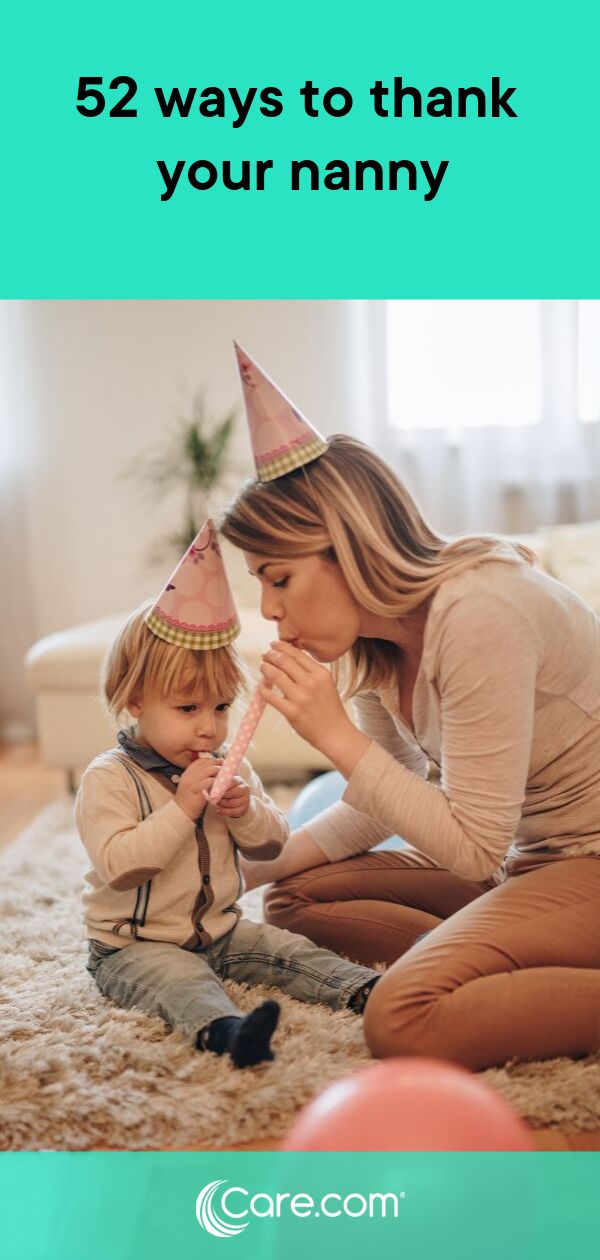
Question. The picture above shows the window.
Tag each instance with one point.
(464, 364)
(588, 360)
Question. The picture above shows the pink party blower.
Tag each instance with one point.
(230, 766)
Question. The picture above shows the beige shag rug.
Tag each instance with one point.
(77, 1072)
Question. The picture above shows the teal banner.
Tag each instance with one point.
(268, 1206)
(322, 150)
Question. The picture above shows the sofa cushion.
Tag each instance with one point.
(573, 556)
(70, 660)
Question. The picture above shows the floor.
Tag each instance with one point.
(27, 785)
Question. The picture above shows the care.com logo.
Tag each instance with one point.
(235, 1206)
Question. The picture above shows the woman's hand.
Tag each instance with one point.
(254, 874)
(309, 700)
(311, 704)
(299, 853)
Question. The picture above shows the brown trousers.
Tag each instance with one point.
(510, 972)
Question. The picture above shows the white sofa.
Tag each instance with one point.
(63, 668)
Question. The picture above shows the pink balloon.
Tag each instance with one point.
(408, 1105)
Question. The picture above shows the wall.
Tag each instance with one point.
(87, 386)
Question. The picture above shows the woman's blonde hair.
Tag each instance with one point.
(350, 506)
(139, 664)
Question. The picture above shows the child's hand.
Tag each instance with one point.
(194, 781)
(235, 801)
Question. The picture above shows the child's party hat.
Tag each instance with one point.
(196, 609)
(282, 438)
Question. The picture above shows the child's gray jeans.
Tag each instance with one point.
(184, 986)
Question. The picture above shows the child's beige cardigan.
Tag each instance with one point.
(162, 877)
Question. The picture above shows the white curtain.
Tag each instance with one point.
(489, 410)
(16, 626)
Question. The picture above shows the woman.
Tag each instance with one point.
(477, 738)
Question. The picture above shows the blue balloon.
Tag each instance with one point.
(318, 795)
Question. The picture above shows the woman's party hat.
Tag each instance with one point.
(282, 438)
(196, 609)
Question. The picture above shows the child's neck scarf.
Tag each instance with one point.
(147, 758)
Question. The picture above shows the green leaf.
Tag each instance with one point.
(191, 463)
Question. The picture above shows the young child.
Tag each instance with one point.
(161, 910)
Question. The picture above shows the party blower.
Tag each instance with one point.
(231, 764)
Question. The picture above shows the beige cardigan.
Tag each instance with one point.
(506, 711)
(179, 880)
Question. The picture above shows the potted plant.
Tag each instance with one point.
(192, 462)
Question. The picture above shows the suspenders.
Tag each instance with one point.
(205, 896)
(138, 918)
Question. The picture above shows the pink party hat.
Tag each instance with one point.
(282, 438)
(196, 609)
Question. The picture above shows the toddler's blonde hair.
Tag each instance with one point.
(139, 664)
